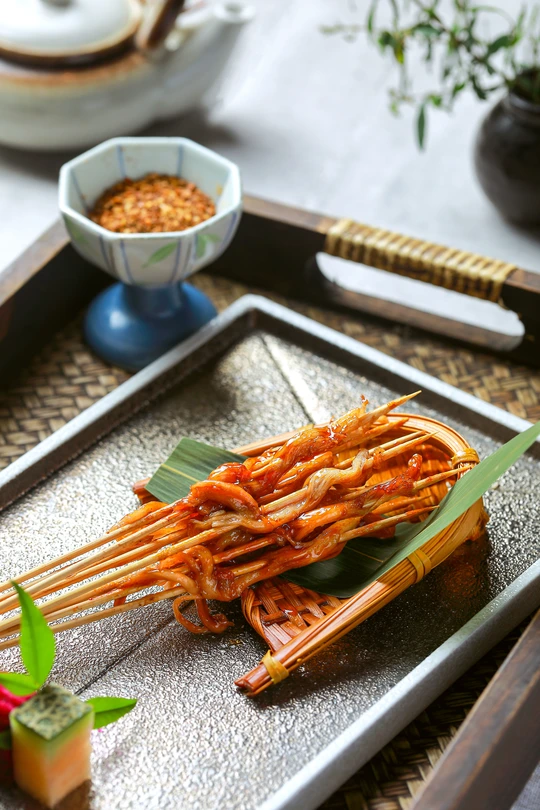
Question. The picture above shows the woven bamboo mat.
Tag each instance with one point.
(65, 378)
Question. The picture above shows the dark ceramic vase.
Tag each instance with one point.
(507, 159)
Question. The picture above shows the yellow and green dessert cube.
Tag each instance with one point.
(51, 744)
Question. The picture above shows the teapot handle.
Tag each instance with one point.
(158, 21)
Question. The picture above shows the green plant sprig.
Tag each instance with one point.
(452, 42)
(38, 648)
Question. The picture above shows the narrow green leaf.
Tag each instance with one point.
(37, 639)
(478, 89)
(17, 683)
(161, 254)
(371, 17)
(5, 740)
(427, 30)
(110, 709)
(421, 125)
(386, 40)
(335, 577)
(505, 41)
(190, 461)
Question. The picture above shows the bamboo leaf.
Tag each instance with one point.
(358, 564)
(354, 568)
(190, 461)
(17, 683)
(161, 254)
(371, 17)
(37, 639)
(110, 709)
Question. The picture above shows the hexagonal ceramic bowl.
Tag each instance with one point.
(150, 259)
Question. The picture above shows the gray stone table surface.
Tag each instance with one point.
(306, 117)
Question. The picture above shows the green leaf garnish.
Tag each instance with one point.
(189, 462)
(17, 683)
(37, 639)
(37, 647)
(349, 572)
(5, 740)
(161, 254)
(109, 709)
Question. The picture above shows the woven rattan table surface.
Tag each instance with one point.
(65, 378)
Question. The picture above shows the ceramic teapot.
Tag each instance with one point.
(74, 72)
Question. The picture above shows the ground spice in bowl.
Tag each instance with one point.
(156, 203)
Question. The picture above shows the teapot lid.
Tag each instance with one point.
(58, 31)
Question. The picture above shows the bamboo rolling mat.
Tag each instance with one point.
(65, 378)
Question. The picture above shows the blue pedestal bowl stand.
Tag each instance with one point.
(131, 326)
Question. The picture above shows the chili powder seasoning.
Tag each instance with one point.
(155, 203)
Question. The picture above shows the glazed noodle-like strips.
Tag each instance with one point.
(297, 502)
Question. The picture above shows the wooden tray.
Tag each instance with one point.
(275, 249)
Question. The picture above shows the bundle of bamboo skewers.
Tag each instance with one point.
(296, 499)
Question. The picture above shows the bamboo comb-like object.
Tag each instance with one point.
(297, 623)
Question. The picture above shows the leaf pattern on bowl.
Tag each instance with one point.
(75, 232)
(161, 253)
(203, 240)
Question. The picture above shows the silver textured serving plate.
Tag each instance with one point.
(193, 741)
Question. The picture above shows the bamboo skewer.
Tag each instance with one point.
(51, 607)
(358, 608)
(250, 449)
(7, 628)
(39, 588)
(144, 526)
(124, 564)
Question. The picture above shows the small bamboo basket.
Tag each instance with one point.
(298, 623)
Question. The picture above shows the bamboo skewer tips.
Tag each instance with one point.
(300, 498)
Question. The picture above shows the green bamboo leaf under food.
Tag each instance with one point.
(359, 562)
(37, 643)
(190, 461)
(18, 683)
(110, 709)
(353, 569)
(161, 254)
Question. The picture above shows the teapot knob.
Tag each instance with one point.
(157, 24)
